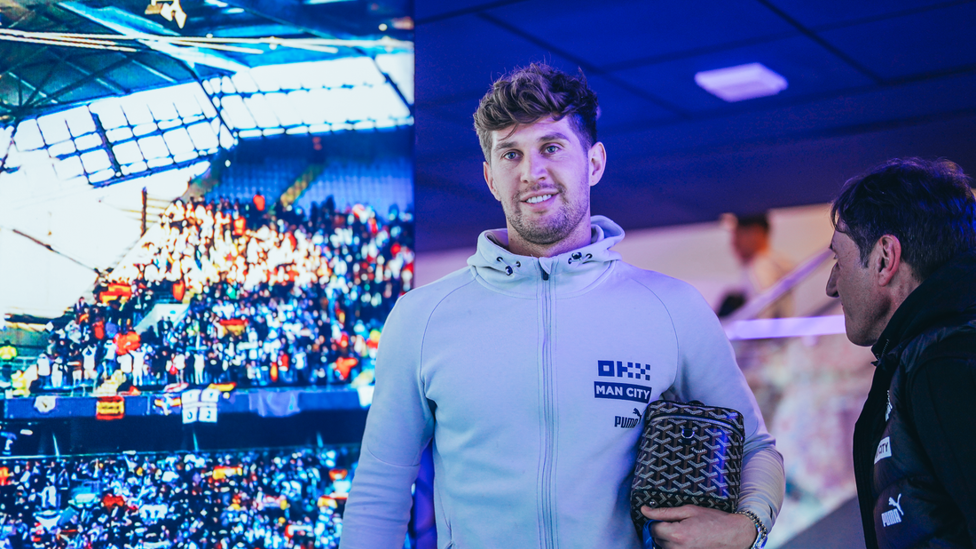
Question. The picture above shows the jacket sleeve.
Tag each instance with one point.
(943, 404)
(398, 427)
(707, 371)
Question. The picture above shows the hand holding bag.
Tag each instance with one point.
(689, 454)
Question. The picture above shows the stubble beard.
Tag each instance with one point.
(554, 227)
(865, 324)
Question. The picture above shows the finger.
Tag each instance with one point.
(664, 533)
(669, 513)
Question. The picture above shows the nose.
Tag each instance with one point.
(832, 282)
(534, 168)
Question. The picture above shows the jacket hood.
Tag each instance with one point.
(576, 269)
(940, 300)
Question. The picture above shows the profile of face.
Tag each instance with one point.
(542, 175)
(865, 304)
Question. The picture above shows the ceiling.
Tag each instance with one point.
(868, 80)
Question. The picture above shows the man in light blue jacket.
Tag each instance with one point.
(532, 367)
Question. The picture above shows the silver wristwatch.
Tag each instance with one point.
(761, 532)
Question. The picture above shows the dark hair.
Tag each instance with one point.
(928, 206)
(753, 220)
(532, 93)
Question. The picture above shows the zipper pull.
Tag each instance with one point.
(545, 275)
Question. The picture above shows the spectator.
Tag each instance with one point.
(252, 498)
(257, 294)
(762, 267)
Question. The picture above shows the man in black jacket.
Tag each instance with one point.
(905, 272)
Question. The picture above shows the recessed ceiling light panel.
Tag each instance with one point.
(741, 82)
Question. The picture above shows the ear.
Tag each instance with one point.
(886, 259)
(491, 182)
(597, 162)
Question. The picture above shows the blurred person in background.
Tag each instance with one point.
(761, 267)
(520, 367)
(905, 272)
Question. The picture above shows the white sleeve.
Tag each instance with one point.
(398, 427)
(707, 371)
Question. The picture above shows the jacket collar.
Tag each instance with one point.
(574, 270)
(938, 301)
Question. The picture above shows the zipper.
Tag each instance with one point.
(548, 533)
(718, 422)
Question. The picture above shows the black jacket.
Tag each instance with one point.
(915, 441)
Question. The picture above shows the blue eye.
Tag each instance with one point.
(511, 155)
(552, 148)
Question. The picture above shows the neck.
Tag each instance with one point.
(902, 286)
(579, 238)
(758, 252)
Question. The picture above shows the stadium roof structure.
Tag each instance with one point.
(109, 108)
(57, 54)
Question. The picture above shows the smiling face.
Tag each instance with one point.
(867, 306)
(542, 175)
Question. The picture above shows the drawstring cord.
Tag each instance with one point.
(508, 268)
(578, 257)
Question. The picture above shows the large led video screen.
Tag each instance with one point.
(284, 497)
(193, 284)
(235, 287)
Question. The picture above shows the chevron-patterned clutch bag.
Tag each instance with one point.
(688, 454)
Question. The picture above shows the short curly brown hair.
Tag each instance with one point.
(529, 94)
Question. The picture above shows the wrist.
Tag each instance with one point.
(761, 532)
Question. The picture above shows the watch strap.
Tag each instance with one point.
(761, 532)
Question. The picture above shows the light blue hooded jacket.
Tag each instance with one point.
(529, 374)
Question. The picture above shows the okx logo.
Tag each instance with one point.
(623, 391)
(619, 368)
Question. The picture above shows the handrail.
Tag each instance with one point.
(771, 328)
(754, 307)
